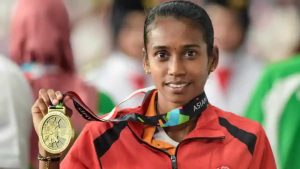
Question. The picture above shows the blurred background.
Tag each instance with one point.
(94, 47)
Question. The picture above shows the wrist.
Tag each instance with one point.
(48, 160)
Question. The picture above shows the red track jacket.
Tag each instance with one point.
(220, 140)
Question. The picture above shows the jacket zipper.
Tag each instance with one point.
(174, 161)
(172, 157)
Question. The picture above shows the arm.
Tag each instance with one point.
(82, 154)
(39, 110)
(263, 155)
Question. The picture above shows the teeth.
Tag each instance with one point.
(177, 85)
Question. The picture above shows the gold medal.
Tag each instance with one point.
(55, 130)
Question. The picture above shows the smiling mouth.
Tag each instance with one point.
(177, 85)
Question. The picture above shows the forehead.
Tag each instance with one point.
(170, 29)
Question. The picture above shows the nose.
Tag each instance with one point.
(176, 67)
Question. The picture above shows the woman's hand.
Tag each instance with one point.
(40, 107)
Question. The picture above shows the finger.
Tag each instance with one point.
(52, 96)
(42, 106)
(44, 95)
(35, 107)
(59, 95)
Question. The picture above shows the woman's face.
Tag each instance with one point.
(177, 60)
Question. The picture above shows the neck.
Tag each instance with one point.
(164, 106)
(178, 132)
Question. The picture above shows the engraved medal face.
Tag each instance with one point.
(55, 131)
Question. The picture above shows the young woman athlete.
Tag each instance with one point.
(190, 133)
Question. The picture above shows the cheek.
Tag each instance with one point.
(157, 73)
(155, 66)
(199, 73)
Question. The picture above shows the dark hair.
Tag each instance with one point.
(183, 9)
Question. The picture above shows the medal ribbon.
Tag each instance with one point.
(174, 117)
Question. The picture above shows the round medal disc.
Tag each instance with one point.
(55, 132)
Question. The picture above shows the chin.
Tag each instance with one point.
(180, 99)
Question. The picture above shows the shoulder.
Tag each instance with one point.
(240, 122)
(94, 140)
(284, 68)
(96, 129)
(247, 131)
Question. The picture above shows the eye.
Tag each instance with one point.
(162, 55)
(190, 54)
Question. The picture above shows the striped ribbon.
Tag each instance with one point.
(174, 117)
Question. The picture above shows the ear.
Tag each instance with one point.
(146, 63)
(214, 59)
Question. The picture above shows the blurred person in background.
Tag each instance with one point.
(90, 36)
(274, 32)
(40, 44)
(230, 86)
(276, 104)
(122, 72)
(15, 123)
(5, 9)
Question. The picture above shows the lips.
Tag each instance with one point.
(177, 86)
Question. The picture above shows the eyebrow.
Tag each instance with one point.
(160, 47)
(184, 46)
(192, 46)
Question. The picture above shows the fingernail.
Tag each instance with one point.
(55, 101)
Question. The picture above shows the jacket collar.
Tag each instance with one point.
(207, 126)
